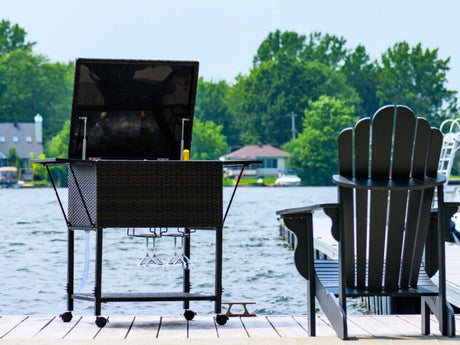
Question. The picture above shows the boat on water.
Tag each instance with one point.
(287, 178)
(8, 177)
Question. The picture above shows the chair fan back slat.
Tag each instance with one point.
(403, 143)
(398, 208)
(345, 146)
(361, 142)
(361, 149)
(422, 137)
(382, 132)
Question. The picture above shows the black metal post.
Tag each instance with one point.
(186, 276)
(98, 272)
(218, 274)
(70, 267)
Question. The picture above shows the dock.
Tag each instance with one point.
(145, 330)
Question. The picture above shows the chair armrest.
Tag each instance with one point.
(331, 210)
(300, 221)
(452, 207)
(304, 209)
(387, 184)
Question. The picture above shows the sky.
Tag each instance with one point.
(224, 35)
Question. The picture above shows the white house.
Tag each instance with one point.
(26, 137)
(273, 160)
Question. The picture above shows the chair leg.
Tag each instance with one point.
(444, 314)
(311, 308)
(425, 316)
(334, 312)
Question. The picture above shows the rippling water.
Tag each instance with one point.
(257, 265)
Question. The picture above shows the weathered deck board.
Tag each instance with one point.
(202, 328)
(144, 327)
(287, 326)
(173, 327)
(259, 327)
(117, 327)
(232, 329)
(27, 328)
(57, 329)
(84, 329)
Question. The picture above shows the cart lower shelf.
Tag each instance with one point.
(145, 297)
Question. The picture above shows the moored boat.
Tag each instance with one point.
(287, 178)
(8, 177)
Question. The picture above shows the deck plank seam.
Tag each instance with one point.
(274, 328)
(72, 328)
(215, 326)
(300, 324)
(46, 325)
(99, 330)
(16, 325)
(129, 328)
(159, 327)
(244, 327)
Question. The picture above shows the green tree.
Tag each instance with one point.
(13, 37)
(212, 105)
(13, 159)
(314, 152)
(208, 142)
(361, 74)
(261, 102)
(417, 78)
(328, 49)
(31, 85)
(278, 44)
(58, 147)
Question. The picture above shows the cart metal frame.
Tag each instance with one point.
(87, 211)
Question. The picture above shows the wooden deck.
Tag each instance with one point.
(20, 329)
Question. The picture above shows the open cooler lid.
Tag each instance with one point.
(135, 109)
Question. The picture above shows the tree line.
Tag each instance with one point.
(317, 78)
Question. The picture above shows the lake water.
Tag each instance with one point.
(257, 266)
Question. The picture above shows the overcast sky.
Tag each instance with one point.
(224, 35)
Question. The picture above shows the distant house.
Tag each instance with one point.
(26, 137)
(273, 160)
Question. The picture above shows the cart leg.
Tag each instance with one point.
(98, 271)
(218, 273)
(186, 277)
(67, 316)
(70, 267)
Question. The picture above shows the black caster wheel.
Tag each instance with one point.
(101, 321)
(221, 319)
(66, 317)
(189, 315)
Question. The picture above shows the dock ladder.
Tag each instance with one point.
(450, 145)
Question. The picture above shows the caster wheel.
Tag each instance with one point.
(100, 321)
(66, 317)
(189, 315)
(221, 319)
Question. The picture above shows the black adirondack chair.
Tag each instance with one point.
(391, 241)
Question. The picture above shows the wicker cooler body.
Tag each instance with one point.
(145, 194)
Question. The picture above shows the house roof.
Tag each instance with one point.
(22, 136)
(257, 151)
